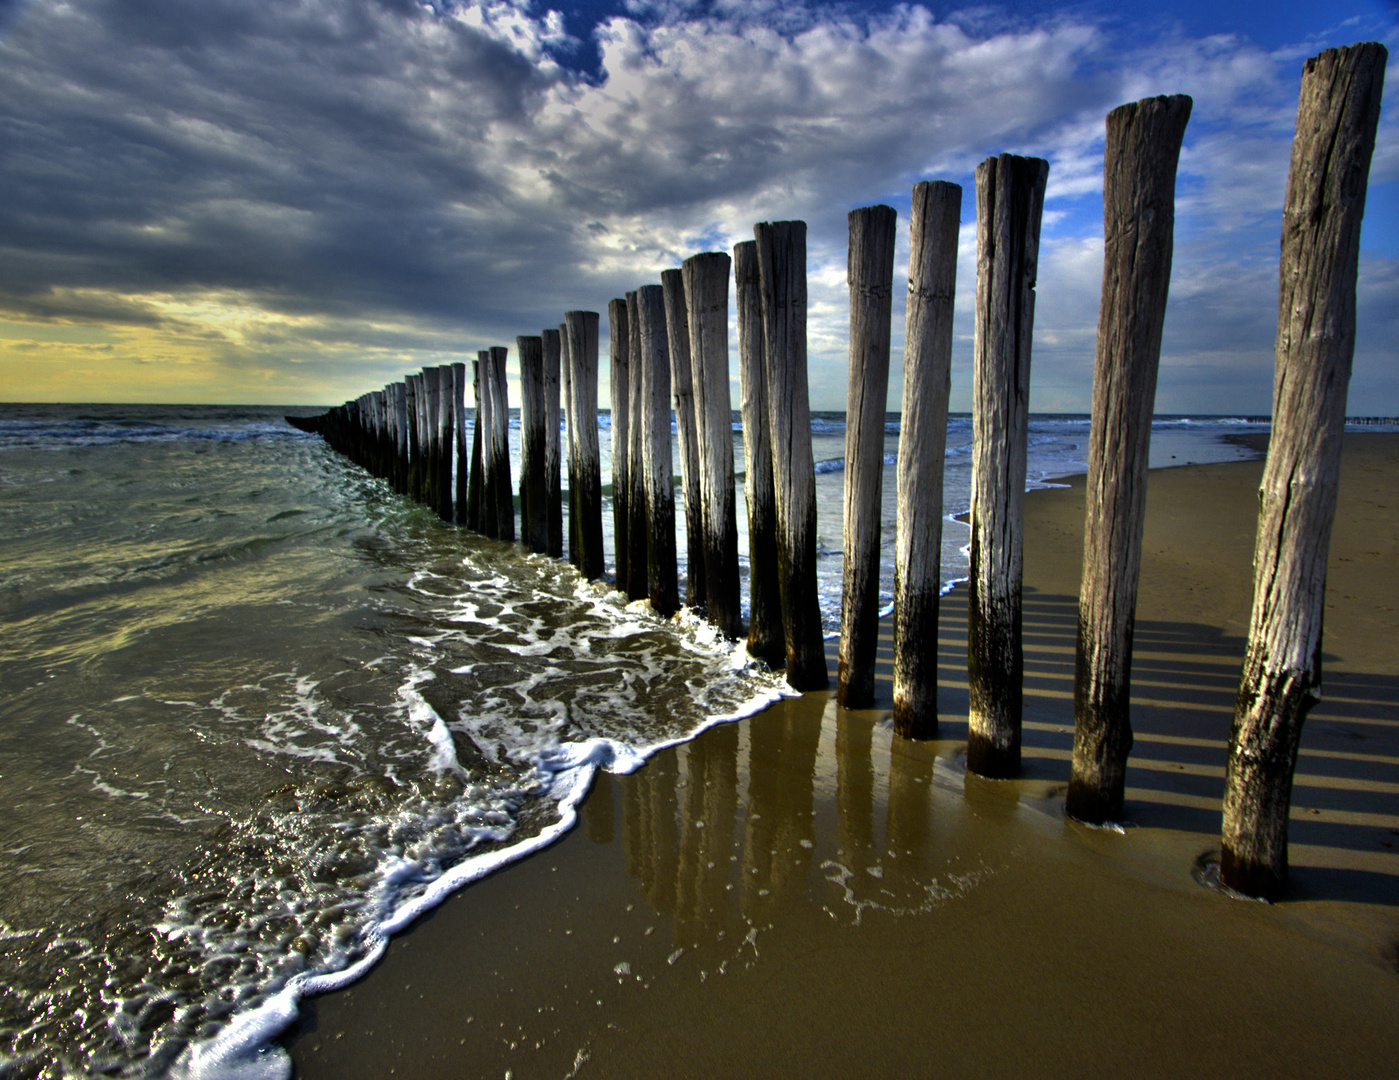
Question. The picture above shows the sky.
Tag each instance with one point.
(237, 201)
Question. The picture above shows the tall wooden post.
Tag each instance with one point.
(1009, 204)
(400, 405)
(570, 454)
(534, 487)
(432, 437)
(552, 459)
(638, 575)
(619, 350)
(410, 408)
(932, 290)
(1139, 193)
(782, 272)
(664, 588)
(766, 640)
(582, 328)
(446, 424)
(682, 388)
(475, 491)
(706, 279)
(490, 497)
(459, 439)
(500, 442)
(870, 275)
(1337, 115)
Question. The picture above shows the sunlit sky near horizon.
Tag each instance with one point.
(242, 202)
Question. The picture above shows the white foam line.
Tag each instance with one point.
(244, 1049)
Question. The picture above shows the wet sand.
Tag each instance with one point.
(801, 894)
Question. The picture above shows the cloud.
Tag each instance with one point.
(423, 177)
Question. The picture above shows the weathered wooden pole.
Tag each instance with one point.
(438, 399)
(400, 406)
(932, 290)
(459, 439)
(682, 388)
(1139, 194)
(619, 351)
(534, 481)
(870, 275)
(570, 456)
(446, 426)
(765, 636)
(552, 459)
(582, 328)
(490, 499)
(1337, 114)
(431, 438)
(500, 443)
(638, 575)
(424, 436)
(475, 491)
(663, 584)
(706, 279)
(782, 273)
(1009, 204)
(410, 407)
(425, 429)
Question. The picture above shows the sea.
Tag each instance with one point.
(258, 712)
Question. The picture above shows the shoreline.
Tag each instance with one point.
(718, 907)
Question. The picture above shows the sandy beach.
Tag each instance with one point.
(800, 894)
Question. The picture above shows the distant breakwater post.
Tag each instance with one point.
(1139, 193)
(581, 349)
(932, 290)
(412, 433)
(870, 276)
(706, 280)
(1337, 116)
(1009, 206)
(553, 475)
(662, 580)
(534, 478)
(638, 574)
(619, 368)
(682, 387)
(782, 275)
(766, 638)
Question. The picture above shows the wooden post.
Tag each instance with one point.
(490, 498)
(706, 279)
(782, 273)
(1337, 114)
(582, 329)
(682, 388)
(459, 439)
(765, 637)
(410, 408)
(500, 443)
(663, 586)
(638, 575)
(1139, 192)
(619, 350)
(534, 482)
(475, 492)
(400, 406)
(1009, 204)
(570, 456)
(932, 290)
(446, 424)
(552, 467)
(870, 275)
(437, 428)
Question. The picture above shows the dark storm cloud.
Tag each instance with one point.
(398, 175)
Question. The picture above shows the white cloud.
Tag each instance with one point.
(441, 165)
